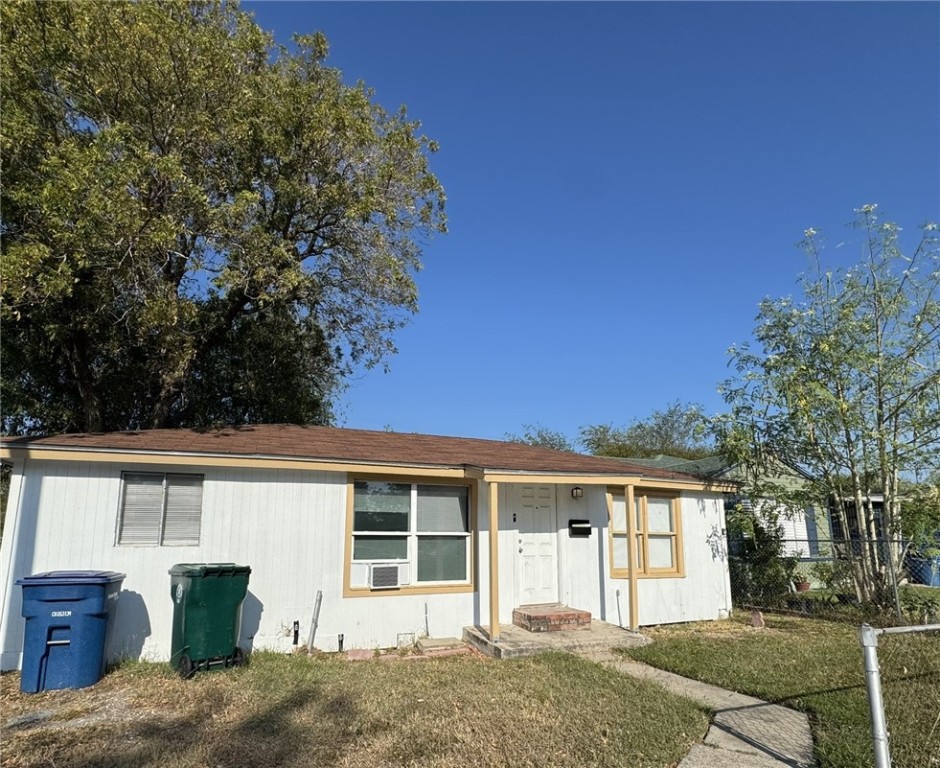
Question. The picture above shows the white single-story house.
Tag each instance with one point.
(405, 535)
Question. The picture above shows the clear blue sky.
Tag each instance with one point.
(625, 182)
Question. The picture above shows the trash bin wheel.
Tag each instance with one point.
(187, 668)
(240, 658)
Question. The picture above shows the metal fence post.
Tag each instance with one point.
(868, 637)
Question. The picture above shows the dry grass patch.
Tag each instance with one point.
(322, 711)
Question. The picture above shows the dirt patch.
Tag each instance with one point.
(70, 709)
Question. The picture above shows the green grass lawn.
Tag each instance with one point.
(551, 710)
(919, 605)
(816, 666)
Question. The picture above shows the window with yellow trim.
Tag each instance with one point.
(423, 526)
(657, 534)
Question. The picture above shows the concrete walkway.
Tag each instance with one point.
(745, 732)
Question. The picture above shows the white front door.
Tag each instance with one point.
(537, 570)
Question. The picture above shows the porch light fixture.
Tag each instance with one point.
(577, 492)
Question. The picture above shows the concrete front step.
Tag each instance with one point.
(514, 641)
(434, 644)
(550, 618)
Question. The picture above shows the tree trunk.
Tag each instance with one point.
(75, 349)
(173, 382)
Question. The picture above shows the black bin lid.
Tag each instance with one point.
(200, 570)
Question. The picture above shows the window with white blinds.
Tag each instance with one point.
(160, 509)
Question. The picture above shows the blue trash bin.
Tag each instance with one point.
(67, 619)
(925, 570)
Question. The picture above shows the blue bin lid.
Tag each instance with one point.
(59, 578)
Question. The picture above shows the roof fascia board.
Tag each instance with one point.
(217, 460)
(503, 476)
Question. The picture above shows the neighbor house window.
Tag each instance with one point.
(657, 534)
(424, 526)
(160, 509)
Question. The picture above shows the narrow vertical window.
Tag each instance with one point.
(443, 533)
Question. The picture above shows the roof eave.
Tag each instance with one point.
(362, 466)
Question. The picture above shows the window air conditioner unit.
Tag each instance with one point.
(388, 575)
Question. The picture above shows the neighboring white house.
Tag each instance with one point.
(405, 535)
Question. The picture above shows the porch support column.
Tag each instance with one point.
(634, 616)
(494, 561)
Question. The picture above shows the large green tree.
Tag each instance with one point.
(543, 437)
(677, 430)
(845, 382)
(197, 226)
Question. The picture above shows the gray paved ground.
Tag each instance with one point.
(745, 732)
(515, 641)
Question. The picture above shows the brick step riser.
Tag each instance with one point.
(552, 627)
(551, 623)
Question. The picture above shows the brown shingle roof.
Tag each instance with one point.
(353, 445)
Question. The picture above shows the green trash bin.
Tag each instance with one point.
(207, 602)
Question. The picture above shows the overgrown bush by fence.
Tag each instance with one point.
(763, 577)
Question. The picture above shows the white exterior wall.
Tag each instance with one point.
(288, 525)
(508, 546)
(705, 592)
(584, 561)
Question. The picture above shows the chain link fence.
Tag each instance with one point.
(811, 577)
(902, 670)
